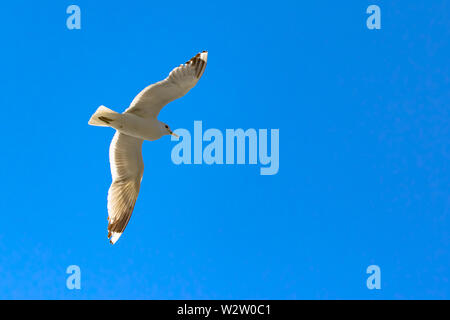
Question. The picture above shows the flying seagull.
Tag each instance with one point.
(138, 123)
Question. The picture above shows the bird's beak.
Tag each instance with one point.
(175, 135)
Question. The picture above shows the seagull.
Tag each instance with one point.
(138, 123)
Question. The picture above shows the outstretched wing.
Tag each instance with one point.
(150, 101)
(127, 168)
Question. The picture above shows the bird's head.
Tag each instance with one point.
(166, 130)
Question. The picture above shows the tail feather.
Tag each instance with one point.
(103, 117)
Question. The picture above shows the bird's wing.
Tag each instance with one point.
(150, 101)
(127, 168)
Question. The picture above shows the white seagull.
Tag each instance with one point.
(138, 123)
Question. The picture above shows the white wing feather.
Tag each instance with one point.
(127, 168)
(150, 101)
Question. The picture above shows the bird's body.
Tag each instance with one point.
(135, 126)
(144, 128)
(138, 123)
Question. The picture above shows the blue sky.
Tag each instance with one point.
(364, 151)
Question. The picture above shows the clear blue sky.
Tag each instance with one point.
(364, 172)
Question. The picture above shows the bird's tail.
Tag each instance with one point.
(103, 117)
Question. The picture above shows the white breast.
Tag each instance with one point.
(138, 127)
